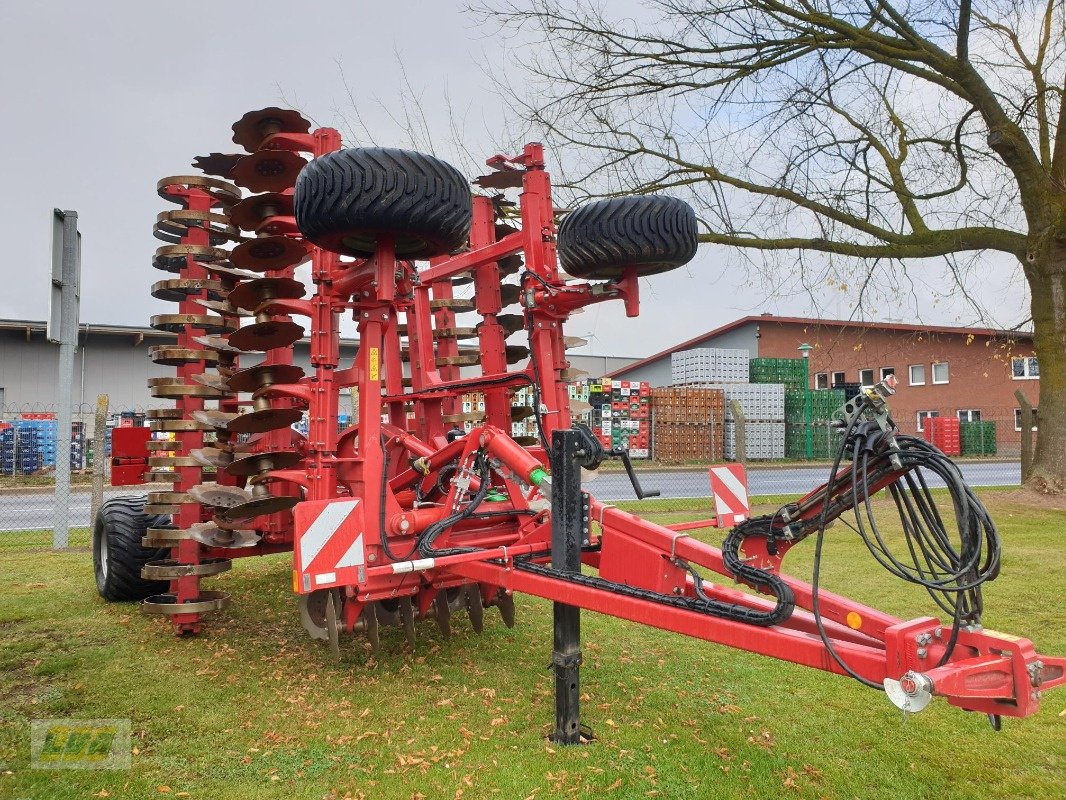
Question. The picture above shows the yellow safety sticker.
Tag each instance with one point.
(375, 363)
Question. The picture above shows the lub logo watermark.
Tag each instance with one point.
(80, 744)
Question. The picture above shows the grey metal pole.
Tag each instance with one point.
(68, 342)
(99, 455)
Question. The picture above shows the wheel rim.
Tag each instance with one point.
(103, 556)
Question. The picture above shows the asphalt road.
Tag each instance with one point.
(27, 511)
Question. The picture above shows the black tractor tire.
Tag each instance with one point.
(650, 233)
(347, 201)
(118, 555)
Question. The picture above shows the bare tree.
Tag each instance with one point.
(857, 130)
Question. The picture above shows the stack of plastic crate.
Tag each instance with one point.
(709, 365)
(688, 424)
(763, 406)
(978, 438)
(621, 415)
(824, 438)
(20, 450)
(523, 398)
(792, 372)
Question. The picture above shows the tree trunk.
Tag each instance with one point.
(1046, 273)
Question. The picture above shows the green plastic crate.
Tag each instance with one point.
(792, 372)
(978, 438)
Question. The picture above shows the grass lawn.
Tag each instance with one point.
(254, 709)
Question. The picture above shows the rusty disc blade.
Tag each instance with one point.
(466, 416)
(457, 304)
(570, 342)
(509, 265)
(175, 323)
(455, 333)
(217, 496)
(171, 356)
(219, 343)
(269, 419)
(511, 323)
(211, 535)
(173, 226)
(211, 380)
(516, 353)
(510, 293)
(251, 212)
(462, 279)
(248, 380)
(254, 293)
(268, 171)
(255, 126)
(220, 164)
(174, 290)
(527, 441)
(503, 179)
(268, 252)
(270, 504)
(212, 457)
(224, 308)
(266, 335)
(212, 418)
(222, 192)
(519, 413)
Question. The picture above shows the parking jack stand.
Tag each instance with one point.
(568, 524)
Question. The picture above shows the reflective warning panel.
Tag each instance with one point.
(329, 548)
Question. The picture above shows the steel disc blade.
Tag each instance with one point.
(212, 418)
(212, 457)
(250, 213)
(442, 614)
(217, 496)
(255, 126)
(211, 535)
(252, 294)
(505, 602)
(267, 171)
(474, 606)
(266, 335)
(248, 380)
(269, 419)
(332, 628)
(258, 463)
(220, 164)
(268, 252)
(407, 617)
(271, 504)
(370, 619)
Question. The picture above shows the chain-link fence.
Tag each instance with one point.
(29, 455)
(985, 443)
(987, 450)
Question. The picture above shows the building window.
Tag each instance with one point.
(923, 416)
(821, 380)
(1018, 419)
(917, 375)
(839, 379)
(969, 414)
(886, 371)
(940, 372)
(1024, 368)
(866, 377)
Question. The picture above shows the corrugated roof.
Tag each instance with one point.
(821, 323)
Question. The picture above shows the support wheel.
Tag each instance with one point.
(350, 200)
(650, 233)
(118, 556)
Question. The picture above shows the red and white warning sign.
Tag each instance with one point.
(729, 485)
(329, 548)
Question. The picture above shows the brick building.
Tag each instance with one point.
(971, 373)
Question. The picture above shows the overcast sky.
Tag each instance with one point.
(101, 99)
